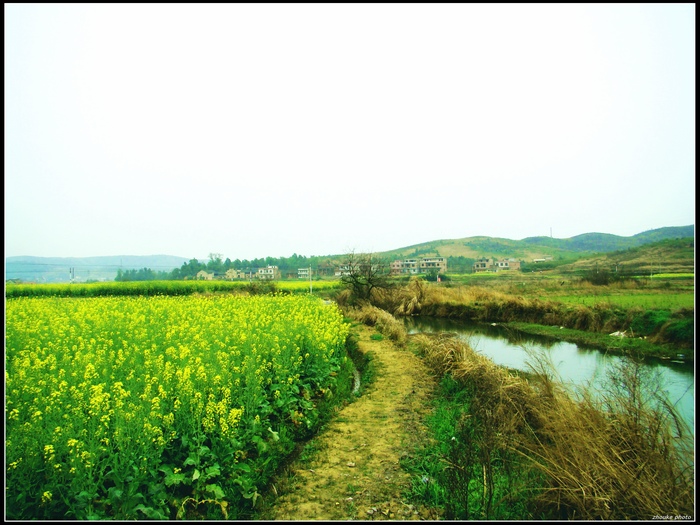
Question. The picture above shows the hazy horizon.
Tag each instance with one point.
(224, 256)
(257, 130)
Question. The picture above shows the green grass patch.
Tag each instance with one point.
(153, 288)
(615, 345)
(670, 301)
(447, 473)
(302, 285)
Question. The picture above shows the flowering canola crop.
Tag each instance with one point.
(148, 407)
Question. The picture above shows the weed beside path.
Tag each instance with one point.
(351, 469)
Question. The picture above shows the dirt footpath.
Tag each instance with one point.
(351, 469)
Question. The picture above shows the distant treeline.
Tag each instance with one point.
(191, 268)
(672, 255)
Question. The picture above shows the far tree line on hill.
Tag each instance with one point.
(216, 265)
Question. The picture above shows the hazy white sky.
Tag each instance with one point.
(273, 129)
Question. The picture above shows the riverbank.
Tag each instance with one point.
(484, 443)
(618, 344)
(658, 333)
(514, 446)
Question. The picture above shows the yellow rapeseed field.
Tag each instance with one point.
(135, 407)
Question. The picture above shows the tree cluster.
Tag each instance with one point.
(144, 274)
(363, 273)
(217, 265)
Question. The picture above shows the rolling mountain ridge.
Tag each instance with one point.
(537, 247)
(61, 269)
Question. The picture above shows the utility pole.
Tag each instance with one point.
(311, 284)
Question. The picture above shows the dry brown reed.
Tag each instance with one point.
(484, 304)
(617, 456)
(385, 323)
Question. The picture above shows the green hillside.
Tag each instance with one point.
(666, 256)
(605, 242)
(574, 253)
(538, 247)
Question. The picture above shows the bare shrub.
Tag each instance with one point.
(401, 301)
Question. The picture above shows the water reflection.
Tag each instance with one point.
(576, 366)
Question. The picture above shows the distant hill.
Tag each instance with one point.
(538, 247)
(57, 269)
(605, 242)
(665, 256)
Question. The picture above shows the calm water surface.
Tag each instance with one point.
(575, 365)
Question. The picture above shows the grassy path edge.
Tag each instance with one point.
(351, 469)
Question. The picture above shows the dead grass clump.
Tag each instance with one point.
(489, 305)
(382, 320)
(580, 317)
(401, 301)
(343, 297)
(614, 459)
(434, 295)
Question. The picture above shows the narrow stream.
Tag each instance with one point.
(576, 366)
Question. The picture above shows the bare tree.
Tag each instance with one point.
(361, 273)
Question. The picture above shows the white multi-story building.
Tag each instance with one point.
(269, 273)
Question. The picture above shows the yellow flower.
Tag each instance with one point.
(46, 497)
(49, 452)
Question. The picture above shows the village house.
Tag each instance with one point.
(325, 269)
(416, 266)
(507, 264)
(269, 273)
(486, 264)
(433, 263)
(342, 271)
(303, 273)
(405, 266)
(346, 269)
(232, 274)
(203, 275)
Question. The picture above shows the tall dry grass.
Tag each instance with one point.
(489, 305)
(622, 454)
(385, 323)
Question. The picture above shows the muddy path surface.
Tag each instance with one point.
(351, 469)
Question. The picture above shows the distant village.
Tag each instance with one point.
(417, 266)
(487, 264)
